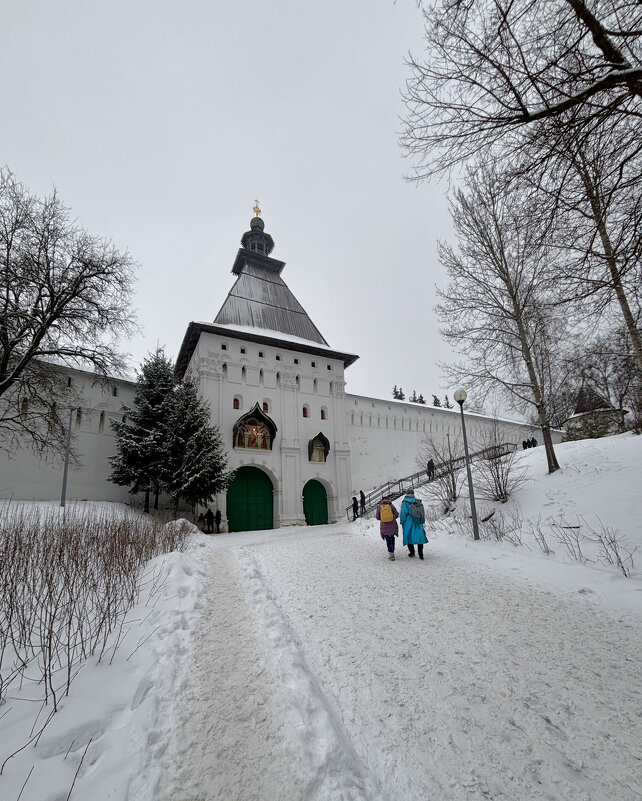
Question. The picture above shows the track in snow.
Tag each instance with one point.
(328, 673)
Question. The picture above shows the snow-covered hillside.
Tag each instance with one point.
(597, 492)
(302, 664)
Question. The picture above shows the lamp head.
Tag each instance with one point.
(460, 396)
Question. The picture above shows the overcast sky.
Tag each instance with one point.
(160, 122)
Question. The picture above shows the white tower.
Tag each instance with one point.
(277, 391)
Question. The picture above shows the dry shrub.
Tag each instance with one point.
(535, 529)
(498, 477)
(614, 548)
(502, 527)
(67, 581)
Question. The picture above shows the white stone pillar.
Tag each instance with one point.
(291, 511)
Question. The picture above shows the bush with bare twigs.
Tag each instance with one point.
(498, 477)
(503, 527)
(581, 541)
(614, 549)
(66, 584)
(448, 454)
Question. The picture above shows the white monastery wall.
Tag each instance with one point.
(385, 437)
(24, 476)
(372, 441)
(262, 350)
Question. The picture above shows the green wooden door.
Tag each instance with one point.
(315, 503)
(250, 503)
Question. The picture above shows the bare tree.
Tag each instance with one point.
(494, 68)
(448, 454)
(494, 309)
(64, 300)
(593, 187)
(497, 477)
(606, 367)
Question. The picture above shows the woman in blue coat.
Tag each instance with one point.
(413, 529)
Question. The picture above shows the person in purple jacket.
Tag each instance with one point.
(387, 515)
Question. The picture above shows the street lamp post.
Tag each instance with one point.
(460, 397)
(63, 495)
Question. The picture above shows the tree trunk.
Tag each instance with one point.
(611, 261)
(551, 457)
(146, 507)
(156, 494)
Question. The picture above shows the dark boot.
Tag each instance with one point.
(411, 550)
(420, 550)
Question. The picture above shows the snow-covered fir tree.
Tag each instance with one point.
(141, 435)
(195, 467)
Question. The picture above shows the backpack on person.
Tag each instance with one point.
(386, 515)
(417, 512)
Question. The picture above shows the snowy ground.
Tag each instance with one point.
(302, 664)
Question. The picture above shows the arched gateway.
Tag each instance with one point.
(315, 503)
(250, 504)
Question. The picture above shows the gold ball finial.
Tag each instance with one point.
(256, 208)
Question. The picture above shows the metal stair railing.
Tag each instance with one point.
(395, 489)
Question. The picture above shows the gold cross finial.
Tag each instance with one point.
(256, 208)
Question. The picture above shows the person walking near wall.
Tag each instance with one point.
(209, 517)
(355, 508)
(430, 469)
(363, 502)
(387, 515)
(217, 520)
(412, 518)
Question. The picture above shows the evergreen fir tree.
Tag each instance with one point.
(447, 403)
(141, 435)
(395, 392)
(196, 461)
(400, 395)
(436, 401)
(421, 399)
(413, 397)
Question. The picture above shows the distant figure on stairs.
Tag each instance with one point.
(355, 508)
(430, 469)
(363, 502)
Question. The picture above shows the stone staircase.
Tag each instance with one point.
(395, 489)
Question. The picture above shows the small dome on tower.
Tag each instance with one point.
(256, 239)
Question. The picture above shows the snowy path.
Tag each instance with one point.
(366, 679)
(229, 725)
